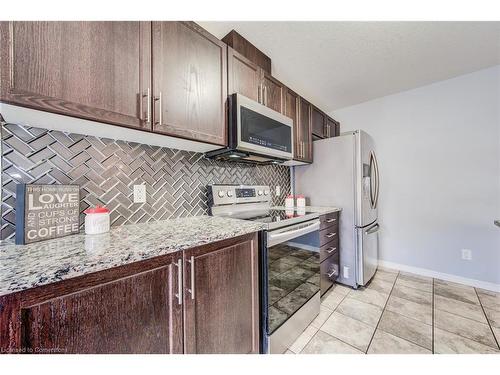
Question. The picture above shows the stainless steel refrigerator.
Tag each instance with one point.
(345, 174)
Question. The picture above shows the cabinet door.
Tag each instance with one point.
(221, 309)
(291, 110)
(319, 127)
(244, 76)
(305, 131)
(189, 80)
(273, 93)
(332, 128)
(93, 70)
(136, 314)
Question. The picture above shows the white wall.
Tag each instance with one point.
(439, 153)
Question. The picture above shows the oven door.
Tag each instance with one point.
(262, 130)
(293, 282)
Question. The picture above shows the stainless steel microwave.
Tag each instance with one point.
(256, 133)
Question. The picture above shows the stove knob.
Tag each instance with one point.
(266, 192)
(221, 193)
(229, 193)
(259, 192)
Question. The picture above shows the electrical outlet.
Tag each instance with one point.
(278, 191)
(466, 254)
(139, 193)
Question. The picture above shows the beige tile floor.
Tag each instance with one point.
(404, 313)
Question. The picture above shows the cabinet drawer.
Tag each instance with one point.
(329, 271)
(328, 235)
(329, 220)
(329, 249)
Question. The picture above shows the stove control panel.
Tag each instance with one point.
(233, 194)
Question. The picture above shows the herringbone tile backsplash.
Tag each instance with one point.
(106, 171)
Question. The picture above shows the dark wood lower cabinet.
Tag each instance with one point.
(202, 301)
(329, 250)
(221, 311)
(129, 315)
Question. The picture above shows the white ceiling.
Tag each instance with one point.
(338, 64)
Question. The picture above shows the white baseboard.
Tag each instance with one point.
(443, 276)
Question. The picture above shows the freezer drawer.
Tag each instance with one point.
(367, 252)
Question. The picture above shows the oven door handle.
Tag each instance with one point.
(293, 232)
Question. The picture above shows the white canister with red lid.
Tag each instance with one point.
(289, 201)
(96, 220)
(301, 201)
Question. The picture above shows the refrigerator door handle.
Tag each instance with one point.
(377, 184)
(373, 179)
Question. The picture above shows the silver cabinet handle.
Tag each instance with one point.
(159, 99)
(331, 220)
(330, 235)
(148, 110)
(265, 95)
(331, 250)
(191, 290)
(331, 274)
(179, 281)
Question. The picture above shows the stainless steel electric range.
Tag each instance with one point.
(289, 260)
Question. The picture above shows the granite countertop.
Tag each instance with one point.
(26, 266)
(321, 210)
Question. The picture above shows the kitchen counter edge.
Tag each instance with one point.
(24, 267)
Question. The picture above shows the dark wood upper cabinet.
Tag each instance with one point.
(135, 314)
(244, 76)
(273, 93)
(332, 127)
(189, 82)
(319, 128)
(221, 312)
(92, 70)
(305, 131)
(247, 49)
(291, 110)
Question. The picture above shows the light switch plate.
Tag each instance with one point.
(139, 193)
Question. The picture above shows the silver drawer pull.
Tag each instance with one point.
(331, 274)
(191, 291)
(331, 250)
(331, 220)
(330, 235)
(179, 281)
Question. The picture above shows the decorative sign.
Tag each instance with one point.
(46, 211)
